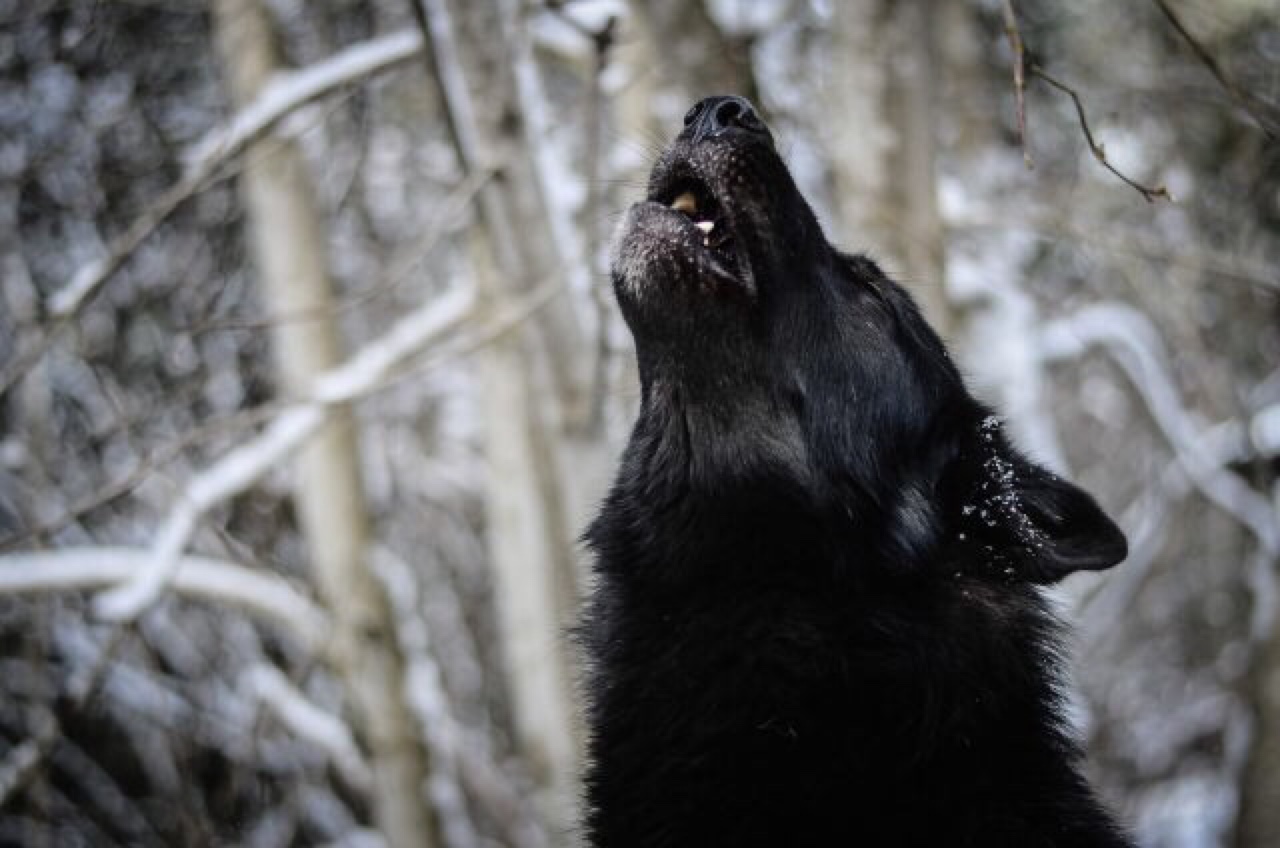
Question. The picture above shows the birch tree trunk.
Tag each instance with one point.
(535, 384)
(288, 247)
(882, 132)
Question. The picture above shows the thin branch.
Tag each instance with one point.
(267, 685)
(1150, 194)
(23, 761)
(282, 95)
(1206, 58)
(245, 465)
(1014, 34)
(77, 569)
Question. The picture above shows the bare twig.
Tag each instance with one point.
(1014, 34)
(1150, 194)
(1243, 100)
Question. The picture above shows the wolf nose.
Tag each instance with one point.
(713, 115)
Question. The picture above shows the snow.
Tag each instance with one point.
(1264, 430)
(203, 577)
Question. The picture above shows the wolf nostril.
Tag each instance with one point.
(727, 113)
(714, 115)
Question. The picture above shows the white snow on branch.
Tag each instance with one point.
(69, 569)
(245, 465)
(287, 90)
(1135, 345)
(562, 191)
(227, 477)
(1265, 430)
(267, 685)
(280, 96)
(452, 82)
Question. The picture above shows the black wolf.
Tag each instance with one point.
(818, 618)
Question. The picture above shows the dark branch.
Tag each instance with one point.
(1014, 34)
(1150, 194)
(1243, 100)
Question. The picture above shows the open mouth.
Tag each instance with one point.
(693, 198)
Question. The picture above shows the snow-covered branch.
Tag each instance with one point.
(1135, 345)
(245, 465)
(70, 569)
(286, 91)
(283, 94)
(267, 685)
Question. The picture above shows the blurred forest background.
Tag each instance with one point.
(310, 377)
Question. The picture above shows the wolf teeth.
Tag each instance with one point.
(685, 203)
(705, 226)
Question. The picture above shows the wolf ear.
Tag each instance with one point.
(1068, 531)
(1030, 522)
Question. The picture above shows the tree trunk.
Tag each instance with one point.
(535, 385)
(288, 246)
(1259, 821)
(883, 136)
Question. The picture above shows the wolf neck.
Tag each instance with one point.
(700, 485)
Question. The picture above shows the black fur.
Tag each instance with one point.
(817, 619)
